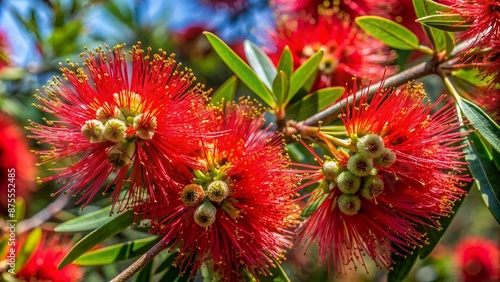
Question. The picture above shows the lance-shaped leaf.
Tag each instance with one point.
(115, 226)
(86, 222)
(402, 266)
(303, 74)
(225, 92)
(446, 22)
(472, 76)
(486, 174)
(285, 63)
(281, 87)
(241, 69)
(118, 252)
(391, 33)
(482, 122)
(28, 247)
(425, 8)
(260, 63)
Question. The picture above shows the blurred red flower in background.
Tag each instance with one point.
(348, 51)
(478, 260)
(15, 154)
(42, 265)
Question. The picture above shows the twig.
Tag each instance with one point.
(43, 215)
(141, 262)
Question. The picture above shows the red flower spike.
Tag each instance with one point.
(136, 125)
(417, 175)
(348, 51)
(16, 161)
(353, 8)
(478, 259)
(42, 265)
(242, 222)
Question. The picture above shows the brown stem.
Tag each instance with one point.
(415, 72)
(140, 263)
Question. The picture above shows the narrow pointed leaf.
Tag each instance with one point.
(240, 68)
(29, 246)
(486, 174)
(118, 252)
(482, 122)
(281, 87)
(472, 76)
(424, 8)
(311, 207)
(115, 226)
(285, 63)
(391, 33)
(446, 22)
(225, 92)
(402, 266)
(260, 63)
(86, 222)
(303, 73)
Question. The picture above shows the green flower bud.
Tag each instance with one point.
(370, 146)
(114, 130)
(349, 204)
(372, 187)
(330, 169)
(348, 182)
(359, 165)
(386, 159)
(217, 191)
(93, 131)
(204, 215)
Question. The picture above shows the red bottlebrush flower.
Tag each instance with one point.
(42, 265)
(489, 100)
(16, 160)
(353, 8)
(233, 216)
(478, 260)
(484, 19)
(483, 16)
(403, 173)
(137, 126)
(347, 50)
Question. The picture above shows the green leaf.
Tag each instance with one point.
(472, 76)
(486, 174)
(281, 87)
(285, 63)
(225, 92)
(115, 226)
(86, 222)
(424, 8)
(113, 253)
(241, 69)
(446, 22)
(317, 101)
(402, 267)
(434, 235)
(317, 199)
(303, 73)
(449, 42)
(29, 246)
(482, 122)
(260, 63)
(391, 33)
(167, 261)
